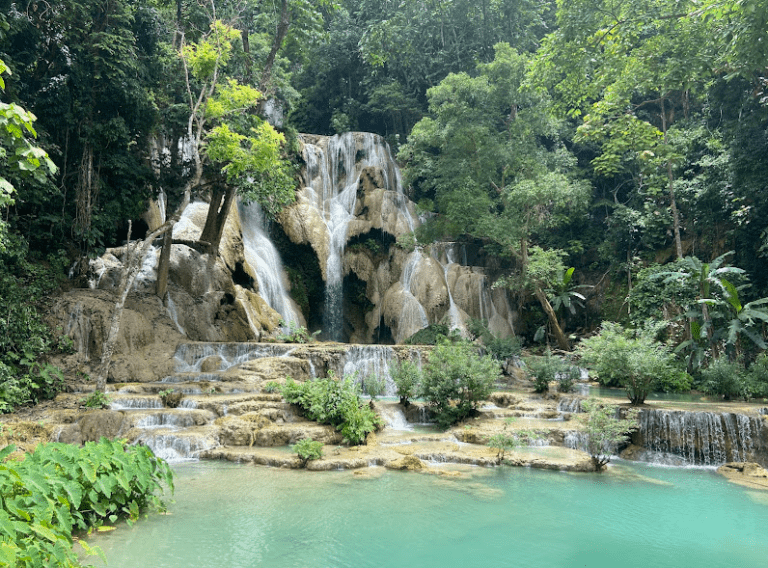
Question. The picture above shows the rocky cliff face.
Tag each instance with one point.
(350, 223)
(354, 215)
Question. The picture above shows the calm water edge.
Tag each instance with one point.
(239, 516)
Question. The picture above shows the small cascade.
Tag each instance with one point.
(136, 403)
(394, 417)
(173, 313)
(174, 447)
(366, 360)
(190, 356)
(262, 255)
(698, 438)
(569, 404)
(454, 316)
(413, 316)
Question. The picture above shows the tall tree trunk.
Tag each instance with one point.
(266, 73)
(218, 211)
(163, 265)
(562, 340)
(671, 188)
(134, 258)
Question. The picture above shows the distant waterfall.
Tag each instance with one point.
(262, 255)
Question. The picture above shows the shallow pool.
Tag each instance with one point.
(233, 516)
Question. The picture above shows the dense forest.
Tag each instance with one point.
(608, 155)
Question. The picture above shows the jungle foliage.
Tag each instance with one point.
(584, 142)
(60, 489)
(335, 402)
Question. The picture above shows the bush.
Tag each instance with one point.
(97, 399)
(307, 450)
(500, 348)
(757, 378)
(374, 385)
(726, 379)
(502, 442)
(429, 335)
(604, 431)
(633, 360)
(334, 402)
(25, 377)
(455, 380)
(271, 387)
(568, 378)
(407, 378)
(296, 334)
(60, 489)
(545, 370)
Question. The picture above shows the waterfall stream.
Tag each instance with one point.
(334, 174)
(262, 255)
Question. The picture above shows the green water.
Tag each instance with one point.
(245, 516)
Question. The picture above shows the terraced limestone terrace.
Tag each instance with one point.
(224, 412)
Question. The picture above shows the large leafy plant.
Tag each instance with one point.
(60, 489)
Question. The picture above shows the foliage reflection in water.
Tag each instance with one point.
(636, 516)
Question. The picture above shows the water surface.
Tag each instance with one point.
(234, 516)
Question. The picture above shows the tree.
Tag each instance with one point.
(605, 432)
(20, 158)
(631, 70)
(630, 359)
(492, 158)
(455, 380)
(222, 128)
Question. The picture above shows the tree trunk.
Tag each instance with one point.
(218, 211)
(131, 268)
(671, 189)
(163, 265)
(266, 72)
(562, 340)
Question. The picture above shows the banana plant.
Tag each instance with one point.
(564, 296)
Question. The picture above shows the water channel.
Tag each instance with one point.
(638, 515)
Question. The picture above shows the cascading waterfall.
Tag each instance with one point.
(333, 176)
(262, 255)
(454, 317)
(413, 316)
(698, 438)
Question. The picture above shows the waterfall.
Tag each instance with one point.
(190, 356)
(413, 316)
(699, 438)
(333, 176)
(262, 255)
(366, 360)
(454, 316)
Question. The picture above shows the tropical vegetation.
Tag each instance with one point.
(607, 158)
(60, 490)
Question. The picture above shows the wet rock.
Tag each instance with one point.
(408, 463)
(748, 474)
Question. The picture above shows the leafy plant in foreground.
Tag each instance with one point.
(59, 489)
